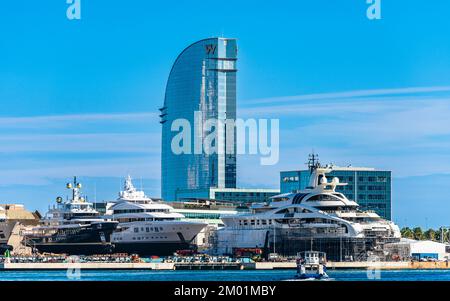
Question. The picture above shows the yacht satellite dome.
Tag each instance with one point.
(323, 180)
(335, 180)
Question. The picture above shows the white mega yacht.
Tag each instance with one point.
(317, 214)
(147, 227)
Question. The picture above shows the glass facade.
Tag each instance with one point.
(244, 197)
(202, 79)
(235, 196)
(371, 189)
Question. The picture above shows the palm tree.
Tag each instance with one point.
(407, 233)
(430, 234)
(418, 233)
(444, 232)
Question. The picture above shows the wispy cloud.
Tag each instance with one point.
(42, 171)
(81, 143)
(60, 121)
(349, 94)
(36, 148)
(395, 129)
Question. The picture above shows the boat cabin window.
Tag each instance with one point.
(119, 211)
(340, 195)
(323, 198)
(282, 199)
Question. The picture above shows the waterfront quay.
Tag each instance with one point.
(147, 264)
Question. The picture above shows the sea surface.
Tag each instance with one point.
(248, 275)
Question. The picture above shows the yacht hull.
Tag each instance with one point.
(152, 248)
(75, 248)
(83, 240)
(4, 248)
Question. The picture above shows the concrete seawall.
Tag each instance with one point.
(87, 266)
(403, 265)
(398, 265)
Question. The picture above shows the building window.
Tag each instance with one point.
(382, 179)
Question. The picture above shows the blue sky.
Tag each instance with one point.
(81, 97)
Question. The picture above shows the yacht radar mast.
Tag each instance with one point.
(129, 185)
(75, 187)
(313, 162)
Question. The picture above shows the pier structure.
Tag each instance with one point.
(381, 265)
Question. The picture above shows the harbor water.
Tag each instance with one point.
(245, 275)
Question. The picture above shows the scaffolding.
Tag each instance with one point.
(337, 246)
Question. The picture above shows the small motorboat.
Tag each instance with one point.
(311, 265)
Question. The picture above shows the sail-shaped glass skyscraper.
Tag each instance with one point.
(202, 80)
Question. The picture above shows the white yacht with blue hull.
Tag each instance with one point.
(147, 227)
(291, 221)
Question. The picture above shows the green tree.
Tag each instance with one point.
(418, 233)
(430, 234)
(442, 232)
(407, 233)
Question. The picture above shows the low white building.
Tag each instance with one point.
(429, 249)
(419, 249)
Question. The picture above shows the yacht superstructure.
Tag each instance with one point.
(147, 227)
(291, 222)
(72, 227)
